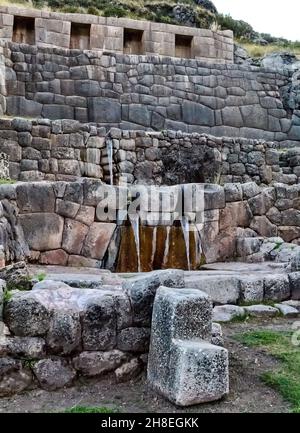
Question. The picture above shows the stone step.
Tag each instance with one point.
(183, 365)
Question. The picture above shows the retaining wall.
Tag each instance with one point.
(76, 223)
(54, 29)
(67, 150)
(149, 92)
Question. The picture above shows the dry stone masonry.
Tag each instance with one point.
(136, 146)
(116, 35)
(183, 365)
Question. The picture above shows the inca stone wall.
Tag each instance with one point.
(66, 150)
(53, 29)
(149, 92)
(66, 223)
(4, 166)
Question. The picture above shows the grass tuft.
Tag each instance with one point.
(90, 409)
(285, 379)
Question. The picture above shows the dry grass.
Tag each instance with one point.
(258, 51)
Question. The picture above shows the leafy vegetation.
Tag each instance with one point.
(286, 378)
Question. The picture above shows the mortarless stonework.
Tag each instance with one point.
(149, 92)
(183, 366)
(54, 29)
(67, 150)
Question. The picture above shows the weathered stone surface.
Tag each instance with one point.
(97, 240)
(293, 303)
(35, 197)
(247, 246)
(102, 110)
(294, 279)
(236, 214)
(55, 257)
(99, 324)
(16, 276)
(261, 311)
(53, 373)
(129, 370)
(178, 355)
(134, 339)
(226, 313)
(47, 233)
(13, 377)
(233, 192)
(50, 285)
(221, 289)
(252, 288)
(217, 335)
(74, 235)
(97, 363)
(25, 347)
(64, 334)
(197, 114)
(287, 310)
(277, 287)
(263, 226)
(142, 290)
(26, 316)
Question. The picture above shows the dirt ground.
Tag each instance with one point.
(247, 392)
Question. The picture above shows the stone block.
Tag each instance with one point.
(277, 287)
(222, 290)
(97, 240)
(294, 279)
(42, 231)
(53, 374)
(73, 237)
(226, 313)
(182, 366)
(261, 311)
(64, 334)
(96, 363)
(102, 110)
(35, 197)
(197, 114)
(134, 339)
(13, 377)
(252, 288)
(142, 290)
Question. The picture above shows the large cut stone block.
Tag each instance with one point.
(102, 110)
(200, 372)
(98, 239)
(197, 114)
(183, 366)
(222, 290)
(42, 231)
(142, 290)
(35, 197)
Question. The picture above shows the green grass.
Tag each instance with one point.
(7, 295)
(41, 276)
(6, 181)
(286, 378)
(90, 409)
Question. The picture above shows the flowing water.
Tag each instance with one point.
(135, 224)
(185, 225)
(109, 146)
